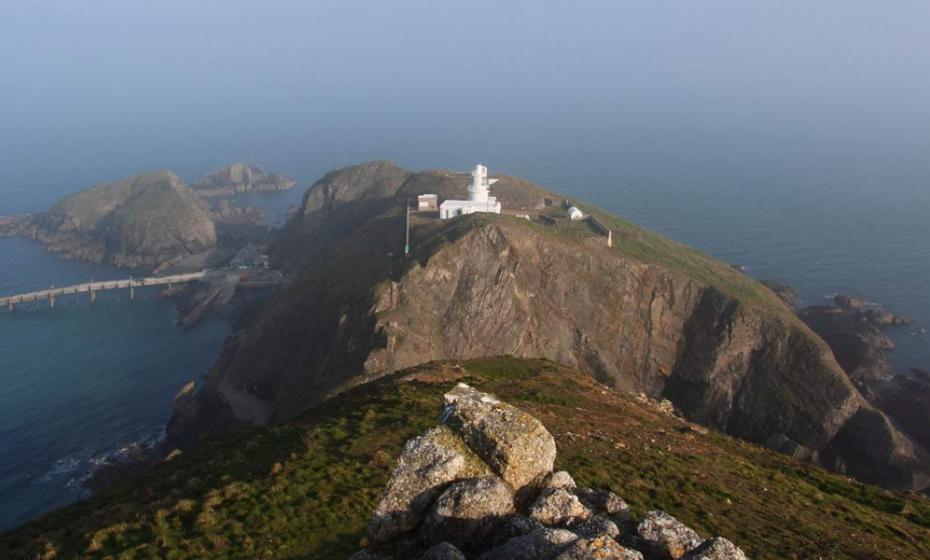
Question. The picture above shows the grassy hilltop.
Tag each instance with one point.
(305, 489)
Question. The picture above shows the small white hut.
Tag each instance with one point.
(575, 214)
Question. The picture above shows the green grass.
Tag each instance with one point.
(305, 489)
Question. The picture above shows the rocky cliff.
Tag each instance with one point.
(241, 177)
(143, 221)
(646, 315)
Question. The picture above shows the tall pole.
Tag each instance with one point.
(407, 239)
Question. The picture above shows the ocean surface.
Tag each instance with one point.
(80, 382)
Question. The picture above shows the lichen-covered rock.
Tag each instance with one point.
(515, 444)
(604, 501)
(468, 512)
(443, 551)
(666, 537)
(426, 465)
(717, 548)
(543, 544)
(556, 507)
(597, 526)
(598, 548)
(560, 479)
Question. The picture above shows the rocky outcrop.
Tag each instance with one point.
(444, 515)
(644, 316)
(853, 329)
(906, 398)
(144, 221)
(241, 177)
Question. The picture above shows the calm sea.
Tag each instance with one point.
(81, 382)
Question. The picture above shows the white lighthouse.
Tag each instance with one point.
(479, 197)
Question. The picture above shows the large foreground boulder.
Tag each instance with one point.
(516, 445)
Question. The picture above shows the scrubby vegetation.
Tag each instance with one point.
(306, 488)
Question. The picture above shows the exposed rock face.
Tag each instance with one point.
(241, 177)
(853, 331)
(477, 517)
(481, 286)
(144, 221)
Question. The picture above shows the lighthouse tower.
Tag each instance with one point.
(479, 189)
(479, 197)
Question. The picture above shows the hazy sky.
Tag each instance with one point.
(180, 82)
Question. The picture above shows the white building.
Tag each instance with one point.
(479, 197)
(428, 203)
(575, 214)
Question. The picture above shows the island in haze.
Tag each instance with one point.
(662, 372)
(152, 221)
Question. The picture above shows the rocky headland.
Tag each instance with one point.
(482, 485)
(645, 315)
(146, 222)
(241, 177)
(853, 329)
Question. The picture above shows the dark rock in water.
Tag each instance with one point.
(241, 177)
(853, 330)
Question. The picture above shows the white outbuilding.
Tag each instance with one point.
(575, 214)
(479, 197)
(428, 203)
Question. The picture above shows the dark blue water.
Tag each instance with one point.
(82, 382)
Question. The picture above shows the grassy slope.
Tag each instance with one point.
(305, 489)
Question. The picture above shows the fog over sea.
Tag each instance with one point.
(789, 138)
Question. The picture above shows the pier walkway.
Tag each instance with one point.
(93, 287)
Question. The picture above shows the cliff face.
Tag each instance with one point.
(644, 316)
(241, 177)
(143, 221)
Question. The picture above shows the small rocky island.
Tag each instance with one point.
(481, 485)
(144, 221)
(241, 177)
